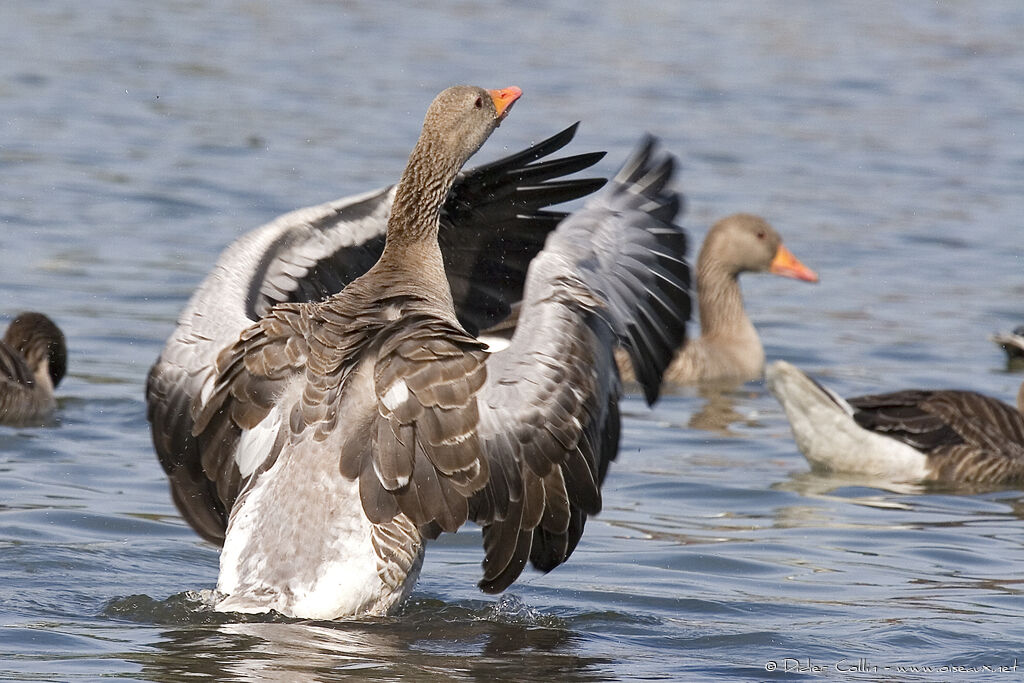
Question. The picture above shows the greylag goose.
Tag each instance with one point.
(33, 360)
(905, 436)
(493, 222)
(729, 348)
(1013, 344)
(338, 436)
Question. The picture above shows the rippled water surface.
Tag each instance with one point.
(884, 140)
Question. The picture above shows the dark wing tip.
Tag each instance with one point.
(497, 218)
(649, 291)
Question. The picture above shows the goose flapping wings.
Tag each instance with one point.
(494, 221)
(332, 438)
(433, 429)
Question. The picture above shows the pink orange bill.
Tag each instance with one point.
(504, 98)
(787, 265)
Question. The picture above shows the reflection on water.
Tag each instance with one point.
(718, 412)
(822, 485)
(428, 639)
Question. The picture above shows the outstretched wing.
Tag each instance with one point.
(494, 221)
(613, 273)
(251, 374)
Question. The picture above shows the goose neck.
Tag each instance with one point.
(720, 300)
(425, 183)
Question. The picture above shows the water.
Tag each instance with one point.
(884, 140)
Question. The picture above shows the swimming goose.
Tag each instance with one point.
(1013, 344)
(729, 348)
(906, 436)
(33, 360)
(493, 222)
(340, 435)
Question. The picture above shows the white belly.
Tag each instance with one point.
(298, 543)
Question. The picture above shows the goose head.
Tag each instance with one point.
(457, 123)
(1013, 344)
(745, 243)
(462, 117)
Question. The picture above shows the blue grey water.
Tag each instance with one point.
(884, 140)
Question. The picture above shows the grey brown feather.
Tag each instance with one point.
(968, 437)
(33, 360)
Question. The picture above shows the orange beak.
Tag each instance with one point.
(787, 265)
(503, 99)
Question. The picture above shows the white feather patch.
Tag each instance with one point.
(457, 439)
(396, 395)
(207, 391)
(495, 343)
(399, 481)
(255, 444)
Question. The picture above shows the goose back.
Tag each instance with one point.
(967, 436)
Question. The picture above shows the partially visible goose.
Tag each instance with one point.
(339, 436)
(729, 348)
(33, 360)
(494, 220)
(906, 436)
(1013, 344)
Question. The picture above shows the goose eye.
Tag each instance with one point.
(760, 234)
(479, 103)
